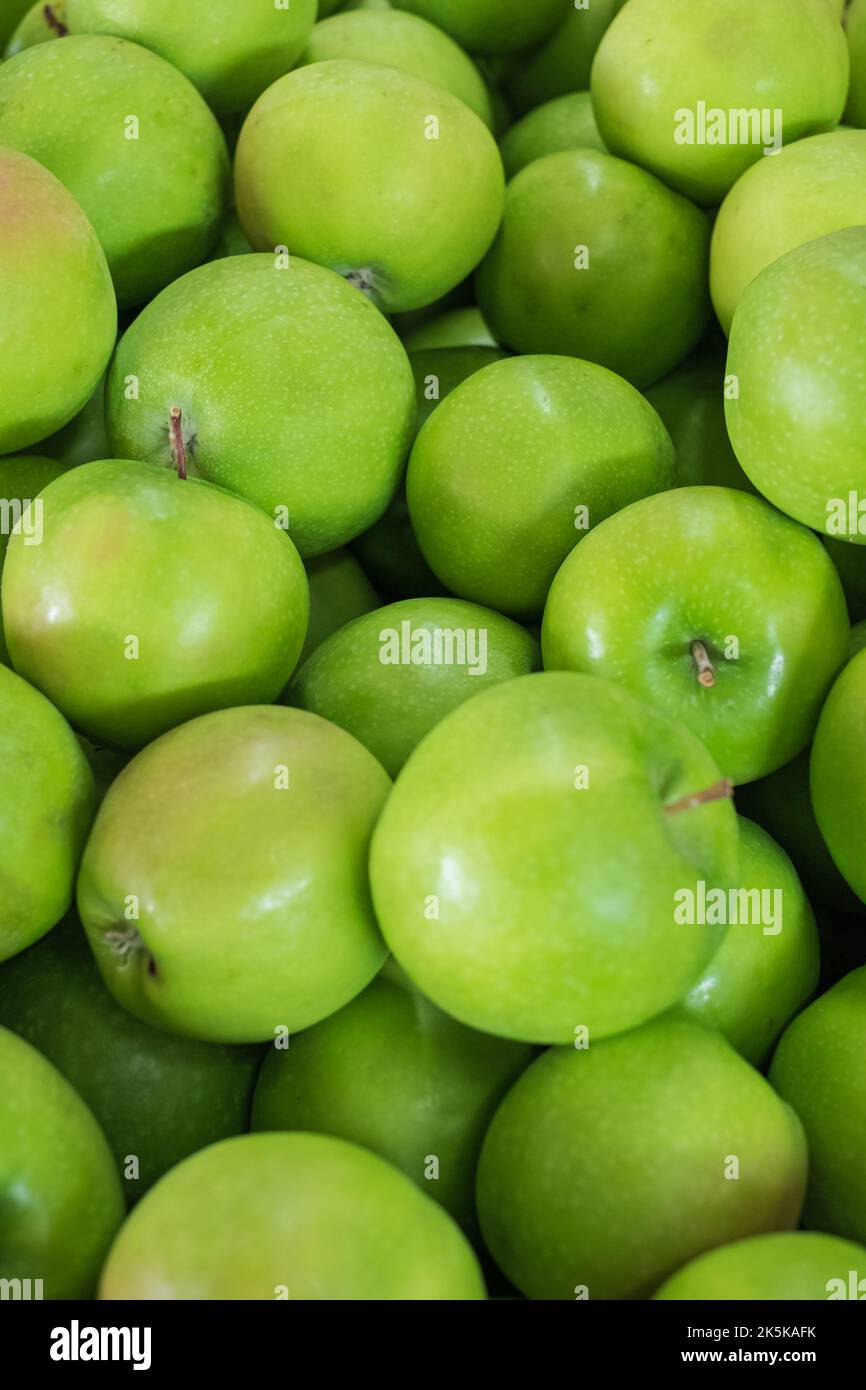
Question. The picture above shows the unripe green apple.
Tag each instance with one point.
(691, 404)
(151, 599)
(319, 445)
(698, 92)
(565, 123)
(393, 674)
(383, 177)
(705, 602)
(597, 259)
(518, 463)
(41, 24)
(815, 186)
(47, 800)
(791, 1266)
(339, 592)
(473, 846)
(818, 1069)
(798, 354)
(59, 314)
(491, 26)
(836, 773)
(605, 1169)
(393, 1073)
(855, 30)
(22, 478)
(298, 1216)
(224, 885)
(563, 62)
(390, 38)
(155, 186)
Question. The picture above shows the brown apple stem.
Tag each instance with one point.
(717, 792)
(175, 437)
(705, 668)
(53, 22)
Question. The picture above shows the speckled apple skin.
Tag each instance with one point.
(787, 1266)
(836, 773)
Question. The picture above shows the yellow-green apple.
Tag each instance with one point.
(788, 1266)
(41, 24)
(564, 123)
(491, 26)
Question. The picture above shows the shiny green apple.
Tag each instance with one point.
(789, 1266)
(565, 123)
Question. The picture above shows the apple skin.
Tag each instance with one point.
(660, 57)
(610, 1167)
(691, 404)
(850, 562)
(491, 846)
(156, 202)
(326, 441)
(797, 422)
(565, 123)
(212, 590)
(11, 13)
(463, 327)
(254, 908)
(497, 474)
(337, 162)
(389, 708)
(59, 313)
(641, 303)
(809, 189)
(22, 477)
(755, 982)
(706, 565)
(84, 439)
(563, 62)
(491, 26)
(59, 1189)
(818, 1069)
(393, 1073)
(47, 800)
(156, 1096)
(299, 1216)
(855, 31)
(792, 1266)
(836, 773)
(391, 38)
(339, 592)
(36, 27)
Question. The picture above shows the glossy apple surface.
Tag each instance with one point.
(240, 840)
(706, 602)
(818, 1069)
(297, 1216)
(565, 123)
(518, 463)
(597, 259)
(471, 847)
(790, 1266)
(393, 674)
(691, 404)
(836, 773)
(61, 1195)
(212, 594)
(324, 444)
(490, 26)
(47, 800)
(564, 61)
(393, 1073)
(22, 477)
(59, 313)
(383, 177)
(663, 1136)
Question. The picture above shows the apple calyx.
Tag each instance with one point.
(51, 19)
(175, 440)
(364, 280)
(126, 942)
(717, 792)
(706, 671)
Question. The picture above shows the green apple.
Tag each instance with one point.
(106, 765)
(796, 418)
(836, 773)
(47, 799)
(60, 1193)
(563, 62)
(157, 1097)
(383, 177)
(22, 478)
(603, 811)
(11, 13)
(565, 123)
(393, 1073)
(818, 1069)
(491, 26)
(391, 675)
(339, 592)
(390, 38)
(767, 966)
(697, 93)
(232, 239)
(850, 562)
(224, 885)
(59, 314)
(706, 602)
(815, 186)
(84, 439)
(289, 1216)
(319, 444)
(438, 370)
(518, 463)
(230, 51)
(855, 30)
(606, 1169)
(691, 404)
(151, 599)
(40, 24)
(790, 1266)
(154, 186)
(857, 639)
(456, 328)
(597, 259)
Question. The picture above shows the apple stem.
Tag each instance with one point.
(705, 668)
(717, 792)
(53, 22)
(175, 437)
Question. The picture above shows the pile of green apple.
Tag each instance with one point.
(432, 730)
